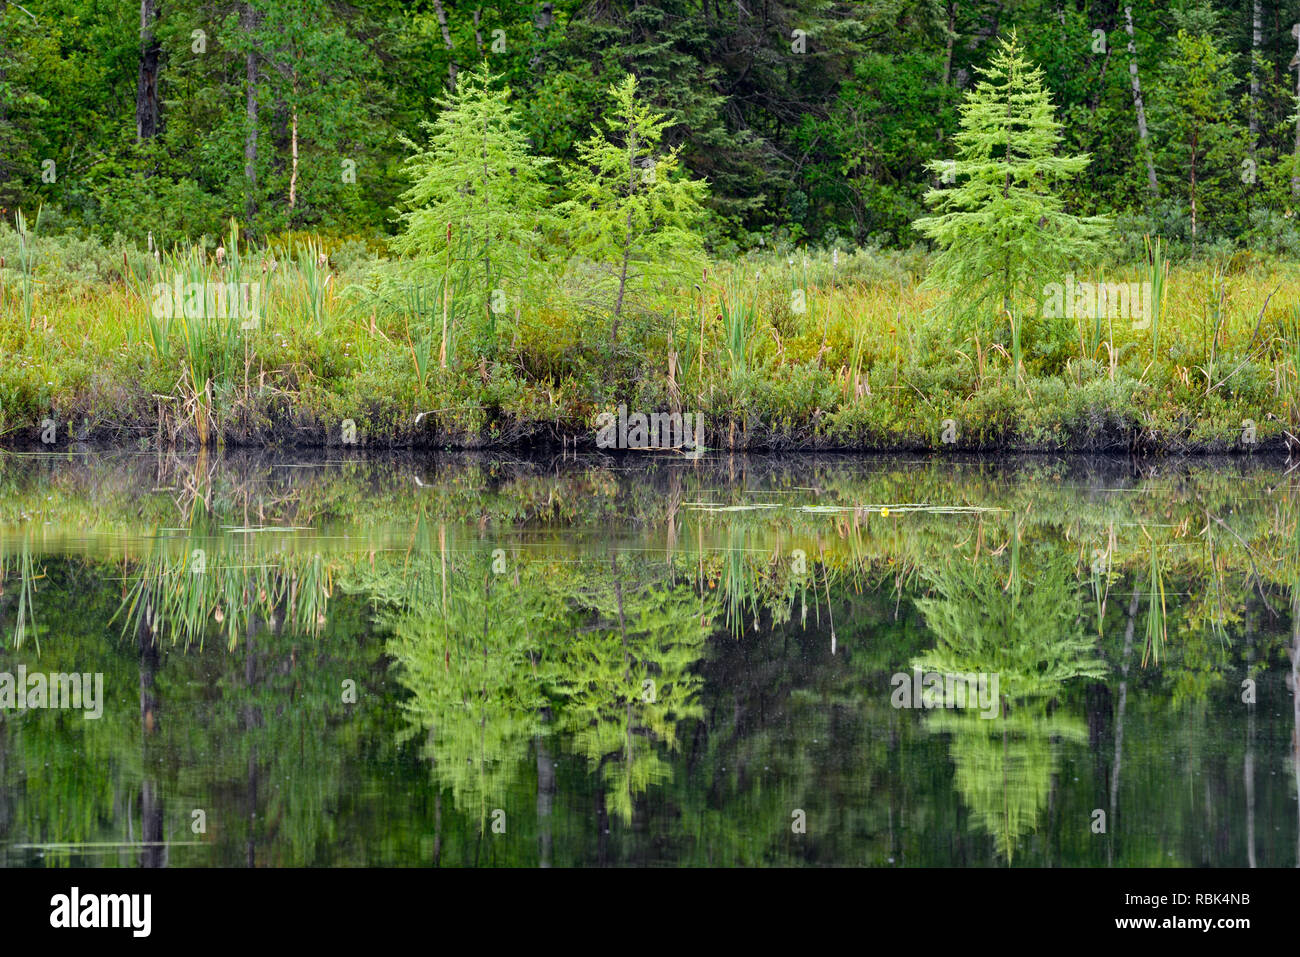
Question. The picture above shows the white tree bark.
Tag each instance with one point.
(1295, 62)
(1143, 136)
(441, 14)
(1256, 28)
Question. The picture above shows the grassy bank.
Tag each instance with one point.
(786, 349)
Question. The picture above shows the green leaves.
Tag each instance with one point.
(477, 205)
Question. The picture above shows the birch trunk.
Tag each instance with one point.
(1295, 62)
(441, 14)
(1143, 136)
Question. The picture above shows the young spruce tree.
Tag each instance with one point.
(1001, 230)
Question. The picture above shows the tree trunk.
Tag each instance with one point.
(622, 277)
(148, 118)
(1295, 175)
(947, 56)
(441, 14)
(293, 145)
(4, 103)
(250, 21)
(1256, 29)
(1143, 137)
(1108, 25)
(293, 152)
(952, 35)
(627, 247)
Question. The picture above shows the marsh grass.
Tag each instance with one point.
(1288, 377)
(24, 567)
(1157, 632)
(1158, 276)
(235, 587)
(27, 262)
(776, 334)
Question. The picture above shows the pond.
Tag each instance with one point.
(662, 660)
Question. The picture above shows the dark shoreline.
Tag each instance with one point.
(1137, 446)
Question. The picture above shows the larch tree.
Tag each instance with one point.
(476, 204)
(630, 210)
(1001, 229)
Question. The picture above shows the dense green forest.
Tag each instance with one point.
(817, 225)
(812, 121)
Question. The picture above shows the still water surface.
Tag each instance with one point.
(488, 661)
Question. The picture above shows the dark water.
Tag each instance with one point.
(649, 661)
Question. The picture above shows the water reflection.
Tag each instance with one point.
(1032, 640)
(478, 661)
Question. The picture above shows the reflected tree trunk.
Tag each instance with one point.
(252, 719)
(154, 852)
(1248, 771)
(437, 828)
(5, 813)
(250, 850)
(545, 801)
(1295, 705)
(1119, 725)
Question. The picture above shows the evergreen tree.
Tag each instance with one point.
(476, 203)
(18, 103)
(1196, 118)
(1001, 230)
(630, 210)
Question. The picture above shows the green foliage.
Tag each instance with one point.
(631, 211)
(885, 128)
(811, 120)
(474, 211)
(1205, 145)
(1001, 230)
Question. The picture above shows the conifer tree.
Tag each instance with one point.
(630, 212)
(1202, 135)
(1001, 229)
(476, 204)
